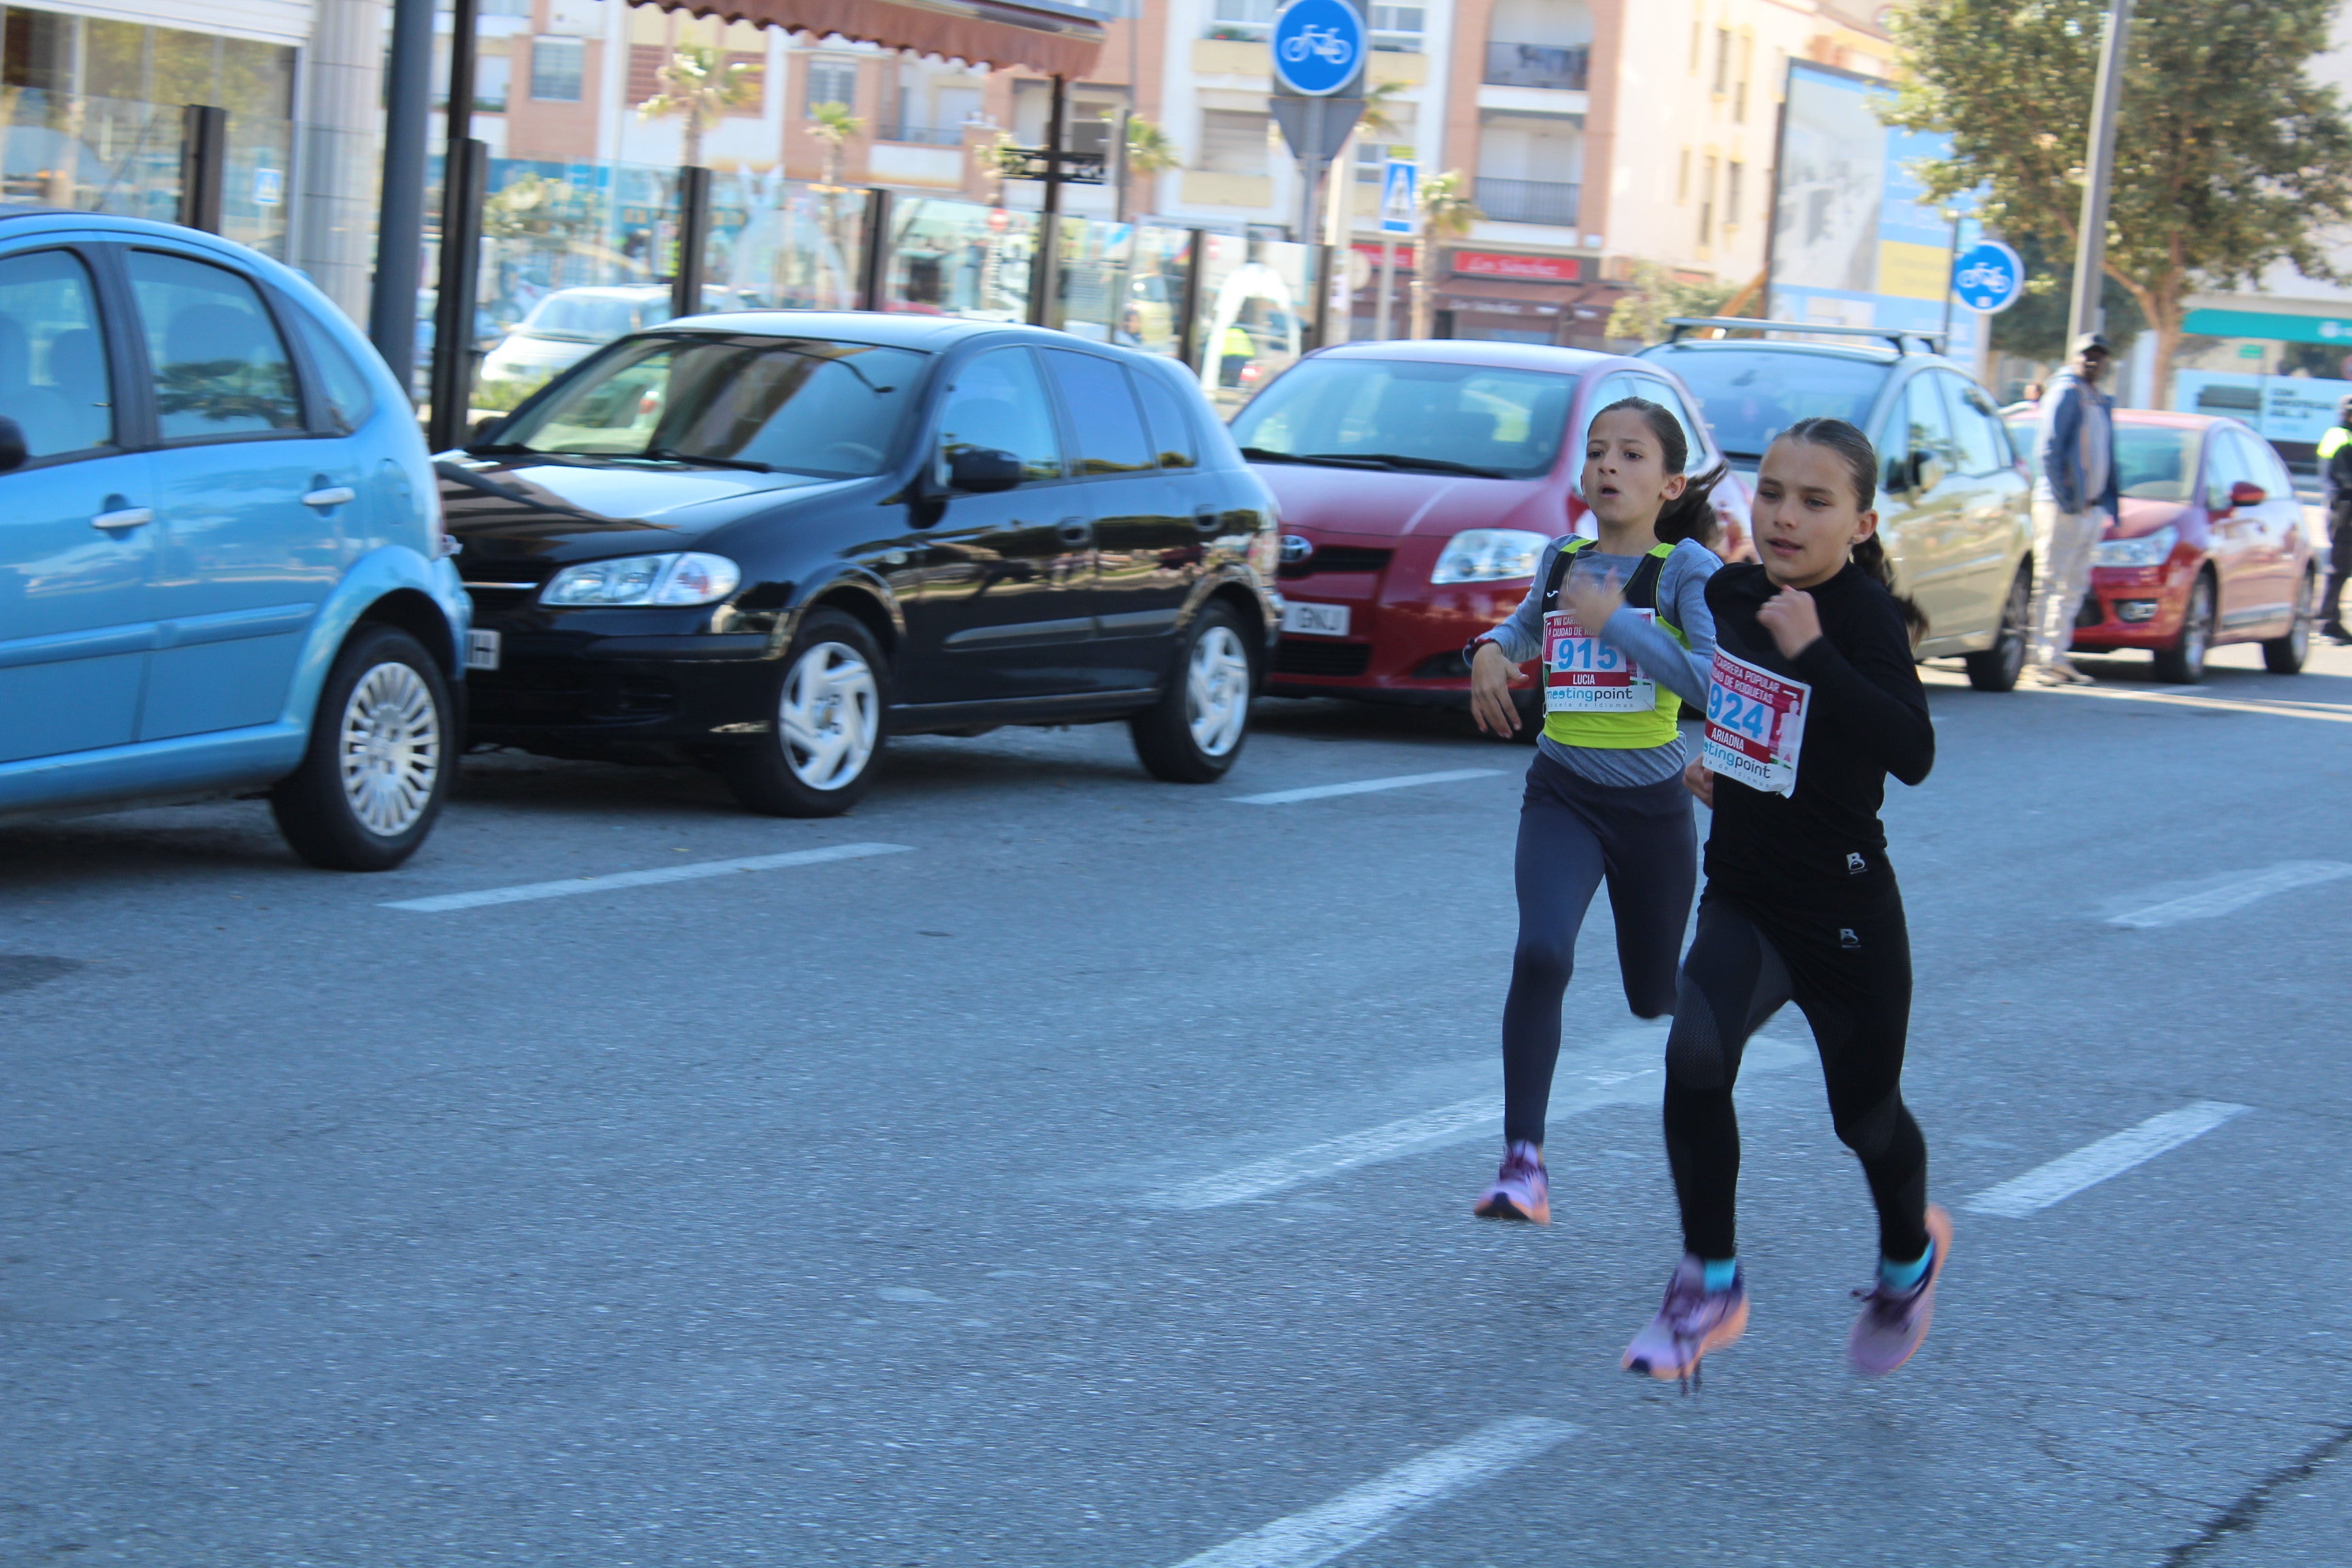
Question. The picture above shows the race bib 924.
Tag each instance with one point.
(1754, 725)
(1582, 674)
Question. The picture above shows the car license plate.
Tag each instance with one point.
(1315, 620)
(481, 650)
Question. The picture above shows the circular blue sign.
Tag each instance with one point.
(1318, 46)
(1987, 277)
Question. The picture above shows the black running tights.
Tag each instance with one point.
(1853, 982)
(1572, 834)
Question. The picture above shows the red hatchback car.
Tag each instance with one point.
(2210, 547)
(1417, 483)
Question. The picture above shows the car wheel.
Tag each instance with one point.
(380, 759)
(2184, 662)
(1194, 732)
(2285, 656)
(1997, 667)
(824, 738)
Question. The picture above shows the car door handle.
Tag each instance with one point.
(333, 495)
(1075, 531)
(123, 516)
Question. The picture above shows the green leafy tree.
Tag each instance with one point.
(700, 86)
(532, 206)
(2229, 159)
(1658, 294)
(1446, 214)
(1149, 154)
(833, 125)
(2035, 327)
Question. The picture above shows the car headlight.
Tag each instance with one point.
(690, 578)
(2147, 550)
(1489, 555)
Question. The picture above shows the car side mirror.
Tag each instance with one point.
(2245, 492)
(484, 429)
(12, 445)
(982, 471)
(1926, 469)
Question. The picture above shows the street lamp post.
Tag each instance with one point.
(2091, 243)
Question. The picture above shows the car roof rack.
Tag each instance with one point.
(1899, 336)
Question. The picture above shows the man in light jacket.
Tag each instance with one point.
(2073, 500)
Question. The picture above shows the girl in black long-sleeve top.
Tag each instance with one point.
(1800, 904)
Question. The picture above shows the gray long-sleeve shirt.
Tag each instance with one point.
(1682, 599)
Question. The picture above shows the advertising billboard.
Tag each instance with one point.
(1854, 243)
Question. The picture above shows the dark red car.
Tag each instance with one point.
(2210, 547)
(1417, 483)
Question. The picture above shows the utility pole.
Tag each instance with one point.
(2091, 243)
(400, 222)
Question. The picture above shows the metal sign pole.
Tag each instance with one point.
(2090, 240)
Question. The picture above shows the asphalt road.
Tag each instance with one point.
(1079, 1175)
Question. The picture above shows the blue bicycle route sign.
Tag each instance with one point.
(1987, 277)
(1318, 47)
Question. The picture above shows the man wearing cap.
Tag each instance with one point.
(2336, 475)
(2073, 500)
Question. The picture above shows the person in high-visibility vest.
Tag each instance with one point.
(1236, 349)
(2336, 476)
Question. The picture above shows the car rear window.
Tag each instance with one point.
(2156, 462)
(1749, 396)
(1507, 424)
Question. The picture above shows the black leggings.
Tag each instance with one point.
(1850, 975)
(1572, 833)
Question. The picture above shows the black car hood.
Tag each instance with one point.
(555, 509)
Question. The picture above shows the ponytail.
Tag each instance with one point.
(1690, 515)
(1861, 462)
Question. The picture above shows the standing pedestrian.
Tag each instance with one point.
(1800, 904)
(1604, 797)
(2336, 475)
(2073, 502)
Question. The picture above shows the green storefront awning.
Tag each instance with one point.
(2268, 324)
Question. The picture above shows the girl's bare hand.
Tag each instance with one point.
(1700, 783)
(1492, 676)
(1793, 619)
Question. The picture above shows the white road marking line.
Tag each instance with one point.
(1354, 1517)
(1617, 1077)
(1362, 786)
(575, 885)
(2227, 898)
(2094, 1162)
(2330, 715)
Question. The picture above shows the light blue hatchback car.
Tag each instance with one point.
(222, 566)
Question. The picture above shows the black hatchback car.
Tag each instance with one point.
(765, 543)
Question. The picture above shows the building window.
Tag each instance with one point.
(505, 7)
(1699, 32)
(1746, 69)
(1682, 178)
(832, 82)
(1722, 61)
(1706, 202)
(1397, 28)
(493, 74)
(1232, 142)
(557, 66)
(1244, 19)
(1734, 176)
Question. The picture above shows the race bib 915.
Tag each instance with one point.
(1583, 674)
(1754, 725)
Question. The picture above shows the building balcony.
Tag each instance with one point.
(922, 135)
(1538, 64)
(1527, 201)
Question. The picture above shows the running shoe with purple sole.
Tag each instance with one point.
(1894, 1322)
(1692, 1321)
(1522, 1188)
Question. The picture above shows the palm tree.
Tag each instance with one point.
(699, 84)
(1149, 153)
(1446, 213)
(833, 125)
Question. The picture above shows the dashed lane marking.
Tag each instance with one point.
(1354, 1517)
(1362, 786)
(573, 886)
(2061, 1178)
(1627, 1073)
(2228, 897)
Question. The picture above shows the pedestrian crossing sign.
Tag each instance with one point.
(1397, 209)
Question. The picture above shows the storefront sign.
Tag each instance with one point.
(1502, 264)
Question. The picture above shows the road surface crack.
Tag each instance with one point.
(2247, 1511)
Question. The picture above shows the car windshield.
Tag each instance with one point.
(1748, 396)
(1408, 414)
(804, 405)
(592, 318)
(2156, 462)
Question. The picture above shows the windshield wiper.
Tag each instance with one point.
(672, 455)
(1428, 465)
(1321, 459)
